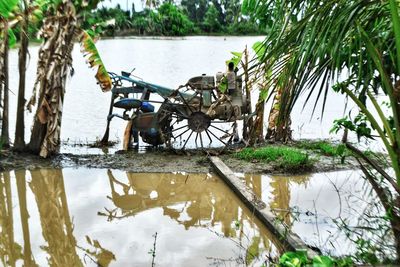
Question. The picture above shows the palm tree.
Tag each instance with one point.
(354, 47)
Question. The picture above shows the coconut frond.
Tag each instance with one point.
(6, 6)
(93, 58)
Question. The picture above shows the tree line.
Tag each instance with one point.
(189, 17)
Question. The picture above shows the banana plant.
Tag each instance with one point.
(50, 82)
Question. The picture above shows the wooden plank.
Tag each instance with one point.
(290, 241)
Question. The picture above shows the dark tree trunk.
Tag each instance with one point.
(19, 142)
(248, 121)
(5, 138)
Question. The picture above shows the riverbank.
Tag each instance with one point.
(192, 161)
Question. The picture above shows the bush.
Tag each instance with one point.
(174, 21)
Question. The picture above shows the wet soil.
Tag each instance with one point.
(162, 161)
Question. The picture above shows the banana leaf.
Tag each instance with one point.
(93, 58)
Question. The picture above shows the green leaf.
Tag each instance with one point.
(322, 261)
(293, 259)
(260, 49)
(12, 39)
(223, 85)
(6, 6)
(90, 52)
(237, 57)
(396, 27)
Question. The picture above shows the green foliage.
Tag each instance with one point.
(211, 20)
(259, 49)
(195, 9)
(12, 39)
(293, 259)
(360, 125)
(237, 57)
(324, 147)
(299, 258)
(173, 21)
(6, 7)
(286, 158)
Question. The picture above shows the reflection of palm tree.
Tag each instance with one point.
(21, 187)
(10, 251)
(280, 198)
(49, 191)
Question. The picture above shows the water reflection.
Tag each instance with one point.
(61, 247)
(310, 204)
(49, 191)
(61, 220)
(10, 250)
(192, 200)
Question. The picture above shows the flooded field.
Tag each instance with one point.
(85, 217)
(168, 62)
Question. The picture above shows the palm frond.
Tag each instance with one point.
(93, 58)
(6, 6)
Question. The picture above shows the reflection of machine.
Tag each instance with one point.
(197, 111)
(202, 200)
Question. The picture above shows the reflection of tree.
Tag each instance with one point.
(21, 187)
(193, 200)
(10, 251)
(57, 229)
(280, 193)
(49, 191)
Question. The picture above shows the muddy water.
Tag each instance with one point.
(310, 205)
(168, 62)
(84, 217)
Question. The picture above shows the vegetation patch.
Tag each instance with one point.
(324, 147)
(284, 158)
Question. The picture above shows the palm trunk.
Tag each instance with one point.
(279, 120)
(55, 59)
(248, 121)
(5, 138)
(19, 142)
(257, 128)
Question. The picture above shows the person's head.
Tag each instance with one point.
(231, 66)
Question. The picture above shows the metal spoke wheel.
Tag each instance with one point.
(189, 125)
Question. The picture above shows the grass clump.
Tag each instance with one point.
(285, 158)
(324, 147)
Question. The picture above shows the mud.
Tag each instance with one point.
(160, 161)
